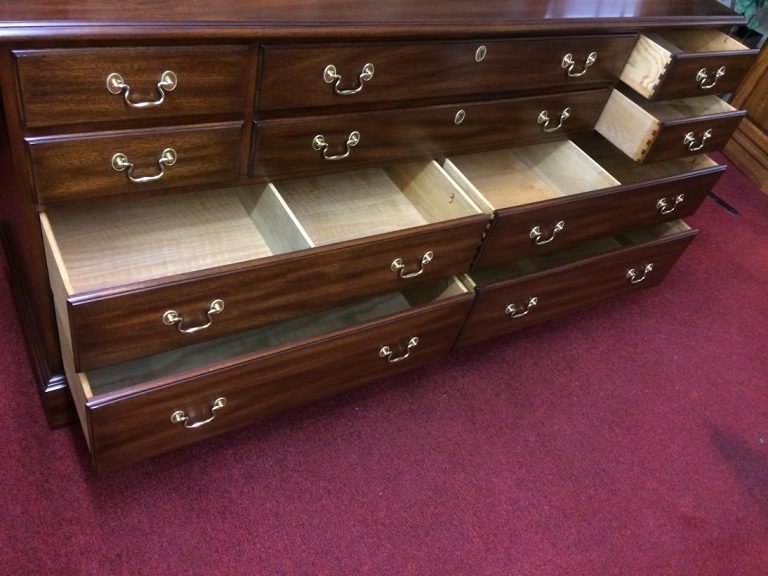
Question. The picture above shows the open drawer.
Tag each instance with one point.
(145, 407)
(135, 279)
(532, 290)
(550, 196)
(652, 131)
(684, 63)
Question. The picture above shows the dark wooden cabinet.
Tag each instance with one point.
(247, 206)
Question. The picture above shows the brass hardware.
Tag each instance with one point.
(167, 83)
(181, 417)
(480, 53)
(513, 311)
(663, 204)
(459, 118)
(636, 277)
(702, 78)
(319, 143)
(386, 351)
(538, 236)
(120, 163)
(331, 76)
(690, 140)
(172, 317)
(398, 266)
(569, 64)
(544, 119)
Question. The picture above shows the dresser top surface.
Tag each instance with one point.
(241, 18)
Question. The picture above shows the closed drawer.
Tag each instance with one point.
(550, 196)
(80, 86)
(142, 408)
(133, 279)
(90, 165)
(533, 290)
(322, 143)
(652, 131)
(686, 63)
(305, 76)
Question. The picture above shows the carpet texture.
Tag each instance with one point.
(627, 439)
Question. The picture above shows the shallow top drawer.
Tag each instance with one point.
(304, 76)
(102, 84)
(686, 63)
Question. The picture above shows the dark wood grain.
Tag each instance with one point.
(669, 142)
(679, 81)
(292, 75)
(592, 215)
(69, 86)
(112, 326)
(80, 166)
(285, 146)
(126, 429)
(564, 289)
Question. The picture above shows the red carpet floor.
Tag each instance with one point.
(628, 439)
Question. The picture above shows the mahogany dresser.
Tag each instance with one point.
(221, 210)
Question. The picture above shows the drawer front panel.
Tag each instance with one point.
(84, 166)
(671, 140)
(111, 328)
(681, 78)
(568, 288)
(295, 76)
(70, 86)
(593, 215)
(139, 426)
(287, 146)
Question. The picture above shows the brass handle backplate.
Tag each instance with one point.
(171, 318)
(569, 64)
(669, 205)
(167, 83)
(181, 417)
(515, 311)
(636, 276)
(386, 351)
(538, 236)
(121, 163)
(319, 143)
(331, 76)
(690, 140)
(545, 121)
(703, 80)
(399, 267)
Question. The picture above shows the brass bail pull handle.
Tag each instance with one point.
(121, 163)
(569, 64)
(669, 205)
(635, 276)
(546, 122)
(171, 318)
(703, 80)
(386, 351)
(540, 239)
(331, 76)
(181, 417)
(319, 143)
(690, 140)
(515, 311)
(167, 83)
(399, 267)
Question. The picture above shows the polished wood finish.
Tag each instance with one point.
(292, 75)
(748, 148)
(134, 424)
(568, 287)
(80, 166)
(61, 87)
(285, 146)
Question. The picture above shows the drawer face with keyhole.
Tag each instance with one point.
(534, 290)
(94, 85)
(334, 142)
(306, 76)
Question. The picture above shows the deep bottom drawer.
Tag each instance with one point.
(145, 407)
(537, 289)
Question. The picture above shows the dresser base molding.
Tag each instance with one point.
(57, 401)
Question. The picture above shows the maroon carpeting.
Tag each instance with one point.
(631, 439)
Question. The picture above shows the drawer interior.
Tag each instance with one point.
(337, 207)
(696, 41)
(176, 364)
(670, 110)
(513, 177)
(117, 244)
(597, 247)
(626, 171)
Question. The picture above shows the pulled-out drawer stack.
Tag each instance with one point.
(231, 230)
